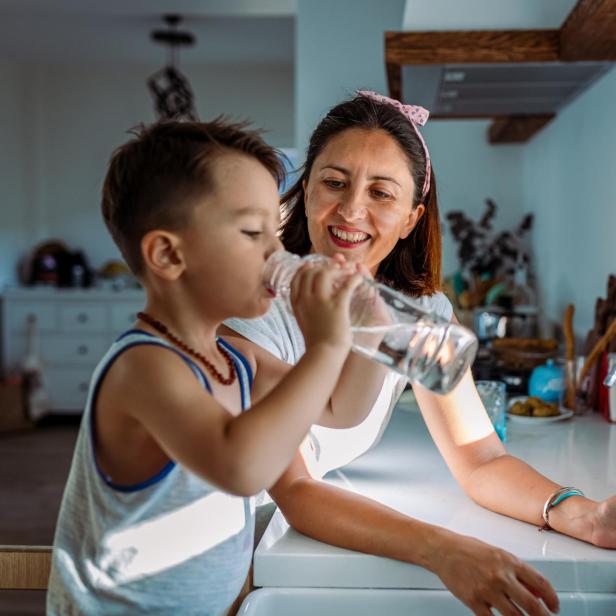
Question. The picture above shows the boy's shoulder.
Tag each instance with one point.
(147, 367)
(241, 345)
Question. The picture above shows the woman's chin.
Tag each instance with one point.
(354, 253)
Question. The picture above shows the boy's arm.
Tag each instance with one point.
(242, 454)
(354, 394)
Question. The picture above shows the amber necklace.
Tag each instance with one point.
(164, 330)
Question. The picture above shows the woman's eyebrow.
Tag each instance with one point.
(374, 177)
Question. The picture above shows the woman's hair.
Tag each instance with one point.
(414, 265)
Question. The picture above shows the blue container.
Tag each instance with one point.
(547, 382)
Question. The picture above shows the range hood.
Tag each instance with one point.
(520, 78)
(493, 90)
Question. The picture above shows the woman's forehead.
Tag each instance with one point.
(375, 150)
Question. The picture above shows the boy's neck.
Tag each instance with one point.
(195, 330)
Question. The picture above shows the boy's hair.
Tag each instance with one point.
(155, 179)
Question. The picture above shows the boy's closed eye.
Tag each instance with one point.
(251, 233)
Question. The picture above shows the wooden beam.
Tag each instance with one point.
(517, 129)
(472, 46)
(589, 32)
(394, 80)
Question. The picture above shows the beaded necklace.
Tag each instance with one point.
(164, 330)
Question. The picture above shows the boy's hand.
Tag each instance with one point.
(321, 295)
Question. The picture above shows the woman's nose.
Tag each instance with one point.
(352, 207)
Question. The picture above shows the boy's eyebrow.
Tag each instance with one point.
(250, 210)
(347, 173)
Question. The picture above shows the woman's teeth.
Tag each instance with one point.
(347, 236)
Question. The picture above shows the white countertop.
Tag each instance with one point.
(406, 472)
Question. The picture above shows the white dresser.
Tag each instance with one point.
(75, 328)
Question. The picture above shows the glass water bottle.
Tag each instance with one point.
(391, 328)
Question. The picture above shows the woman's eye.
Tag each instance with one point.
(380, 194)
(334, 183)
(252, 234)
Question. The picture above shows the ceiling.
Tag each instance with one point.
(118, 30)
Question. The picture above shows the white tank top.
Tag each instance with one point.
(173, 544)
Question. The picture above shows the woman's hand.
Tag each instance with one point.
(603, 524)
(483, 577)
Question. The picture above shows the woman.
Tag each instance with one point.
(368, 192)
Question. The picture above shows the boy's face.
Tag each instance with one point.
(232, 233)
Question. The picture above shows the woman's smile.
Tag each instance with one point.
(347, 237)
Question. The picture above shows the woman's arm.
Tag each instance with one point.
(498, 481)
(475, 572)
(355, 393)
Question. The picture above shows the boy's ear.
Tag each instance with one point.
(162, 255)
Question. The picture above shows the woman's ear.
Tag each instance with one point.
(162, 255)
(413, 219)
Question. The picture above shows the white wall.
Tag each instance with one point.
(469, 170)
(570, 185)
(485, 14)
(339, 48)
(59, 124)
(14, 202)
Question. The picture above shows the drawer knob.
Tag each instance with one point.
(82, 349)
(82, 317)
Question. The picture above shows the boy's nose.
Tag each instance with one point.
(276, 245)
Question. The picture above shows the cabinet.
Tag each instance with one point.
(75, 328)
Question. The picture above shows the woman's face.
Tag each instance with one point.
(359, 197)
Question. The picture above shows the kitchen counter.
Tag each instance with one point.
(406, 472)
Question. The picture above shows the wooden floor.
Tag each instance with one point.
(33, 469)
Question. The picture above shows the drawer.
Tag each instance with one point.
(83, 350)
(123, 316)
(68, 388)
(18, 313)
(84, 317)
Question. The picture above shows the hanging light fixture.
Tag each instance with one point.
(173, 97)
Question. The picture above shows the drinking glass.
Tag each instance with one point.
(493, 394)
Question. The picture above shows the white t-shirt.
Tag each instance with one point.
(278, 333)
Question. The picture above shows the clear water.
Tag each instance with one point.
(416, 350)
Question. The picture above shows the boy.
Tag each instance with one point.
(156, 517)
